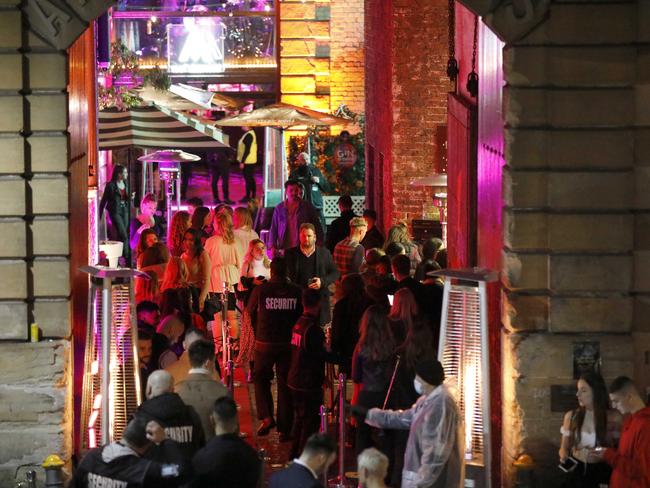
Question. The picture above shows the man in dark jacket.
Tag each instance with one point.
(226, 461)
(124, 464)
(305, 472)
(287, 218)
(272, 309)
(373, 238)
(180, 421)
(307, 370)
(312, 266)
(313, 182)
(340, 226)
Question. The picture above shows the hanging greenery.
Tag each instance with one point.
(345, 178)
(157, 78)
(124, 66)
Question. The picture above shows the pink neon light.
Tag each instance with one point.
(92, 439)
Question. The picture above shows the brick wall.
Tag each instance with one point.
(416, 97)
(347, 55)
(321, 49)
(34, 250)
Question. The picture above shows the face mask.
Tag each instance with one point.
(418, 386)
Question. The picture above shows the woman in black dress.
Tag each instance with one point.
(116, 200)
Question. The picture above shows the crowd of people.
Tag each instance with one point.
(303, 298)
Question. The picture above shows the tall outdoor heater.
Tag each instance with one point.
(111, 382)
(464, 353)
(169, 168)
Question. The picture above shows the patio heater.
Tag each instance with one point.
(464, 353)
(111, 381)
(169, 168)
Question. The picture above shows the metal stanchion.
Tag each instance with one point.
(228, 362)
(323, 429)
(341, 481)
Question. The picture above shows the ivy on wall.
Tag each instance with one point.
(345, 180)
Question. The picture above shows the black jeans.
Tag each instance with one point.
(249, 179)
(306, 410)
(368, 436)
(266, 356)
(119, 230)
(220, 170)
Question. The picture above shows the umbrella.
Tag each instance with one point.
(186, 97)
(282, 115)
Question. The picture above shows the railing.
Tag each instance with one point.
(331, 206)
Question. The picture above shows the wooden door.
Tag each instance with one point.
(461, 182)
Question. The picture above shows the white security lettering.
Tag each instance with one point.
(180, 434)
(281, 303)
(97, 481)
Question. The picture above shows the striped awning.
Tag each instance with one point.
(149, 126)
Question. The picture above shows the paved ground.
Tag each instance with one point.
(277, 453)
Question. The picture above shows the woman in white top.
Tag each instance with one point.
(243, 222)
(226, 257)
(590, 425)
(255, 270)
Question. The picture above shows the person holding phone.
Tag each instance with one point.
(589, 426)
(312, 266)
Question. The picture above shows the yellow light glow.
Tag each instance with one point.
(469, 392)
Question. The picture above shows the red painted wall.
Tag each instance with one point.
(379, 115)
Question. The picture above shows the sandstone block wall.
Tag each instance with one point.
(575, 213)
(34, 250)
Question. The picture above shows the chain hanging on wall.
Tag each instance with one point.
(452, 64)
(472, 78)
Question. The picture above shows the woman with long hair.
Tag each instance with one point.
(180, 223)
(198, 265)
(148, 238)
(176, 274)
(590, 425)
(372, 366)
(202, 221)
(243, 223)
(399, 234)
(346, 317)
(417, 346)
(153, 261)
(402, 313)
(116, 200)
(226, 256)
(256, 269)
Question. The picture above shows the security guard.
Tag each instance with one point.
(273, 309)
(126, 464)
(180, 421)
(247, 158)
(307, 370)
